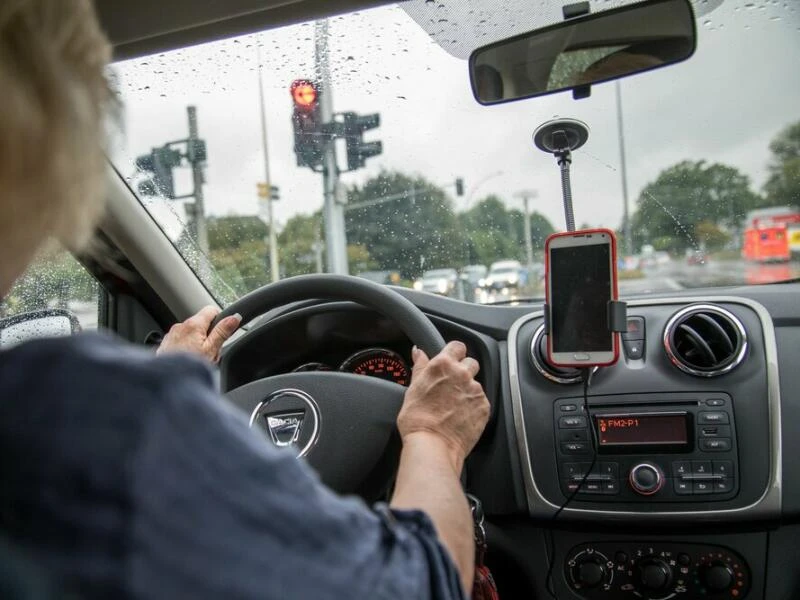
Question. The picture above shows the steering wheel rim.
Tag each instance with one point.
(337, 408)
(411, 320)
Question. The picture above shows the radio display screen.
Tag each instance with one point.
(643, 429)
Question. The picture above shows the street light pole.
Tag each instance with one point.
(626, 222)
(273, 238)
(526, 196)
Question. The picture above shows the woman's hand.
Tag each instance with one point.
(193, 336)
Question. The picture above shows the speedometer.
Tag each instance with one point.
(378, 362)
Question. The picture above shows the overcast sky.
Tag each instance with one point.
(723, 105)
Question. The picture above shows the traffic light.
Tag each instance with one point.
(357, 149)
(160, 163)
(309, 140)
(273, 192)
(459, 186)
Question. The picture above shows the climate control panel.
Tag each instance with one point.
(631, 570)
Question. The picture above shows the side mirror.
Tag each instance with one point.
(583, 51)
(50, 322)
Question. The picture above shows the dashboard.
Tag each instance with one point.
(673, 476)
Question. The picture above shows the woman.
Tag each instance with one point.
(123, 473)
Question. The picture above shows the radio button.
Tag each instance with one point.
(610, 468)
(716, 417)
(575, 448)
(592, 487)
(723, 467)
(611, 487)
(568, 408)
(681, 467)
(571, 470)
(702, 487)
(574, 435)
(723, 486)
(683, 488)
(701, 467)
(715, 402)
(572, 422)
(715, 445)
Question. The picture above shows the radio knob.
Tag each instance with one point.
(646, 479)
(589, 573)
(654, 574)
(717, 577)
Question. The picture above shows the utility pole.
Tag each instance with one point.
(626, 222)
(198, 210)
(335, 238)
(526, 196)
(272, 235)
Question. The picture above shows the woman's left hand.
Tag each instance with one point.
(193, 336)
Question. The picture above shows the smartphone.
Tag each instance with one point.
(581, 277)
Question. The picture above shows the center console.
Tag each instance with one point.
(656, 439)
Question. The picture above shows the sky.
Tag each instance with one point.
(723, 105)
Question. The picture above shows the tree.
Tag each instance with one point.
(299, 242)
(783, 185)
(687, 194)
(238, 250)
(409, 234)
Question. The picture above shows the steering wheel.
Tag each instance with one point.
(343, 424)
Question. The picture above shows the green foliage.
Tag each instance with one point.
(53, 280)
(408, 235)
(686, 195)
(297, 244)
(783, 185)
(713, 237)
(238, 251)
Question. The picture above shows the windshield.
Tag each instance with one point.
(705, 154)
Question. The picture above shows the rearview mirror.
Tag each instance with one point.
(583, 51)
(51, 322)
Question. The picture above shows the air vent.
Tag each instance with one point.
(563, 375)
(705, 340)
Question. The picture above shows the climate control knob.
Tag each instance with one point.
(646, 479)
(590, 573)
(717, 577)
(654, 574)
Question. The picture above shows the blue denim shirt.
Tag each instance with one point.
(126, 475)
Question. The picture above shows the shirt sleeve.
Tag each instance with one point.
(219, 512)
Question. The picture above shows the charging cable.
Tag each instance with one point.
(586, 377)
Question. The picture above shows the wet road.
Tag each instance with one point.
(677, 275)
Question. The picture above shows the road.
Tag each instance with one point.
(677, 275)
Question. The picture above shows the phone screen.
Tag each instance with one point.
(580, 284)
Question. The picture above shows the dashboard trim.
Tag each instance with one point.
(768, 505)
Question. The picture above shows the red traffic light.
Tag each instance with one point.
(305, 94)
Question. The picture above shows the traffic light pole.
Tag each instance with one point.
(273, 238)
(335, 237)
(198, 210)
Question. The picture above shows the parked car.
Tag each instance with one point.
(438, 281)
(383, 277)
(505, 274)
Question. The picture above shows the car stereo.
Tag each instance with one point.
(670, 450)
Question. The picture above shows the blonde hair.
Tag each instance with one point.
(53, 107)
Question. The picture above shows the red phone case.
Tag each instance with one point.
(614, 291)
